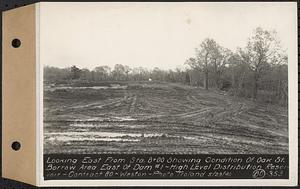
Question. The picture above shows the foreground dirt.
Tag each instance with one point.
(159, 118)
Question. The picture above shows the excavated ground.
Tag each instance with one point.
(144, 117)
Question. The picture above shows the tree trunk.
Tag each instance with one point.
(233, 79)
(218, 80)
(240, 85)
(206, 73)
(255, 85)
(206, 80)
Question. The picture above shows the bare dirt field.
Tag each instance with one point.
(146, 117)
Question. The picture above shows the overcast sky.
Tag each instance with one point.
(151, 34)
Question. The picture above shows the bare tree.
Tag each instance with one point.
(102, 72)
(75, 72)
(262, 50)
(192, 62)
(209, 56)
(205, 56)
(119, 72)
(220, 58)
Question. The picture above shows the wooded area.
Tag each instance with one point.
(258, 71)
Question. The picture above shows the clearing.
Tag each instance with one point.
(149, 117)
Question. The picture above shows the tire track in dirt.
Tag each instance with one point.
(99, 105)
(195, 113)
(204, 111)
(198, 101)
(133, 104)
(204, 121)
(161, 105)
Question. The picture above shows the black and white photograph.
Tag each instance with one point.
(203, 78)
(159, 94)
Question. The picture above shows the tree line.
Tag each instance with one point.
(118, 73)
(258, 71)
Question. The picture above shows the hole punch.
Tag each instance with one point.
(16, 145)
(16, 43)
